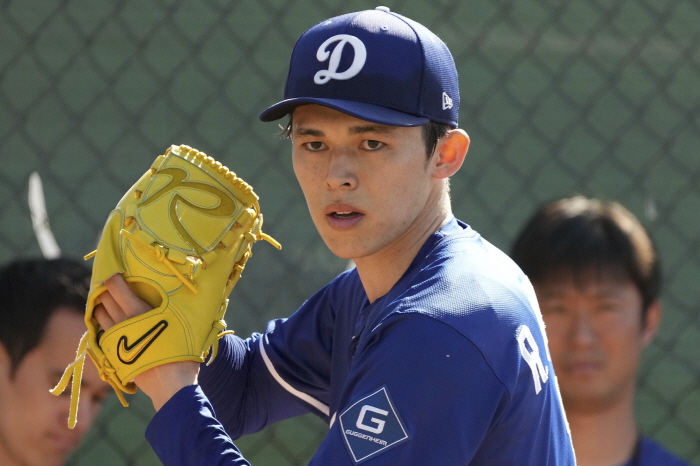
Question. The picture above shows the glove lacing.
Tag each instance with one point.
(75, 369)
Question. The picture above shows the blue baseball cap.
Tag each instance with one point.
(375, 65)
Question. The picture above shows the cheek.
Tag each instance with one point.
(406, 189)
(26, 411)
(556, 335)
(306, 173)
(623, 359)
(298, 168)
(623, 326)
(624, 339)
(30, 390)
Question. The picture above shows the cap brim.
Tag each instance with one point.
(363, 111)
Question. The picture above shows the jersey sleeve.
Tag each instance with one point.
(281, 373)
(419, 393)
(241, 390)
(185, 432)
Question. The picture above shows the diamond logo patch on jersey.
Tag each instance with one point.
(372, 426)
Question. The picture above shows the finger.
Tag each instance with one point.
(127, 300)
(113, 308)
(103, 317)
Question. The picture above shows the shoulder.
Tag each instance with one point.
(469, 284)
(478, 291)
(464, 272)
(653, 454)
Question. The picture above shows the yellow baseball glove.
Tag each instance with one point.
(180, 237)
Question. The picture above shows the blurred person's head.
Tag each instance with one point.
(42, 304)
(597, 278)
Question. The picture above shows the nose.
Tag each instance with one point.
(582, 332)
(341, 172)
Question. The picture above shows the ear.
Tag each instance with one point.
(451, 151)
(652, 320)
(4, 354)
(5, 362)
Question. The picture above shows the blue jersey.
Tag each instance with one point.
(650, 453)
(451, 366)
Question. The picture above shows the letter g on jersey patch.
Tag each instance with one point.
(372, 426)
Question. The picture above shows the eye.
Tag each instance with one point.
(608, 306)
(371, 144)
(314, 146)
(552, 308)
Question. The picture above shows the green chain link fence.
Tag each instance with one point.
(598, 97)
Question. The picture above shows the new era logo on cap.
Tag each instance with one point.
(375, 65)
(446, 102)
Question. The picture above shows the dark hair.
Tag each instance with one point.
(577, 235)
(432, 132)
(31, 290)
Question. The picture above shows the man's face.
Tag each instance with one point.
(33, 422)
(367, 185)
(596, 335)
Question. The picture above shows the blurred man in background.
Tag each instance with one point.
(597, 278)
(42, 304)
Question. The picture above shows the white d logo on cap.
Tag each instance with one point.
(323, 76)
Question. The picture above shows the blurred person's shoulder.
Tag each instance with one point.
(653, 454)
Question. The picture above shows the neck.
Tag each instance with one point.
(606, 437)
(380, 271)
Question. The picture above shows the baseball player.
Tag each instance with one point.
(432, 350)
(42, 303)
(597, 278)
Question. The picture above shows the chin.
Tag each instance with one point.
(344, 251)
(589, 401)
(344, 248)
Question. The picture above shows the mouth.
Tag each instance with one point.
(584, 367)
(343, 216)
(346, 214)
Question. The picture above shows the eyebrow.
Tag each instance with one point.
(301, 131)
(556, 294)
(380, 129)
